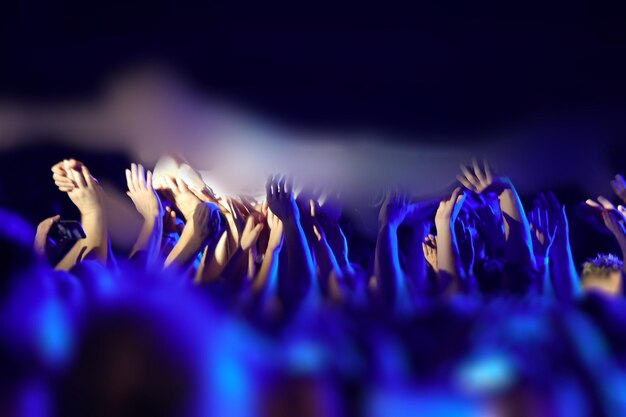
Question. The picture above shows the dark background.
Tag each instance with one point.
(422, 71)
(436, 67)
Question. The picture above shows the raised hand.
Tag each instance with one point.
(266, 278)
(279, 194)
(141, 192)
(389, 274)
(73, 177)
(394, 209)
(61, 174)
(171, 223)
(42, 242)
(251, 232)
(236, 221)
(619, 187)
(613, 217)
(185, 200)
(203, 225)
(276, 232)
(70, 175)
(542, 230)
(84, 191)
(480, 179)
(451, 273)
(300, 267)
(602, 203)
(449, 209)
(565, 280)
(205, 222)
(615, 221)
(429, 247)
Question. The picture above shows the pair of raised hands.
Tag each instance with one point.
(73, 177)
(547, 222)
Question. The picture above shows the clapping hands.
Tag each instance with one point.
(74, 178)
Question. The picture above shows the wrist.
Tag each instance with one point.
(151, 218)
(191, 235)
(92, 212)
(443, 227)
(388, 226)
(271, 251)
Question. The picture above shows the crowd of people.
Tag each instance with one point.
(470, 305)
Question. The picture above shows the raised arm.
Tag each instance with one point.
(387, 269)
(300, 268)
(266, 280)
(73, 178)
(202, 226)
(147, 203)
(543, 233)
(451, 274)
(324, 256)
(241, 264)
(614, 219)
(565, 279)
(518, 243)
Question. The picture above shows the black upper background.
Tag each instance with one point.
(431, 70)
(437, 67)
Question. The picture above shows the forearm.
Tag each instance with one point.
(215, 259)
(338, 244)
(565, 279)
(326, 261)
(518, 242)
(416, 262)
(387, 262)
(299, 261)
(184, 253)
(449, 260)
(95, 243)
(237, 267)
(149, 239)
(267, 278)
(543, 267)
